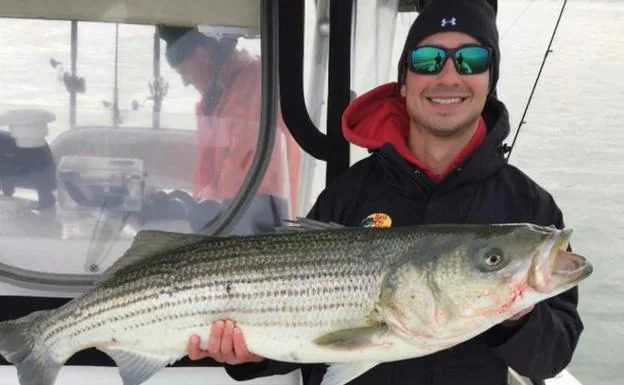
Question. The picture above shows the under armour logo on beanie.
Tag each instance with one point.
(476, 18)
(450, 22)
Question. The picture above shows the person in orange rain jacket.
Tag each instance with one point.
(228, 116)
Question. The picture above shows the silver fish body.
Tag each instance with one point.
(346, 296)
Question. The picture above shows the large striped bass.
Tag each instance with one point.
(350, 297)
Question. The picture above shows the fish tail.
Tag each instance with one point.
(19, 345)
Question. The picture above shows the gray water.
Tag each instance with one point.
(572, 143)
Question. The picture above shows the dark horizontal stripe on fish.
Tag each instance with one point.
(174, 283)
(292, 322)
(270, 268)
(148, 296)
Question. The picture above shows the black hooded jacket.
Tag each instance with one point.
(385, 187)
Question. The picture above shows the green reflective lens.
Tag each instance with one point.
(470, 59)
(428, 60)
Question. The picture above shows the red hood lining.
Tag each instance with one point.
(379, 116)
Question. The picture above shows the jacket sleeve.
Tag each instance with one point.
(543, 343)
(243, 372)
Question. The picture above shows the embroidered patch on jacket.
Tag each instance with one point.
(377, 220)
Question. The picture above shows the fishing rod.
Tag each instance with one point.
(526, 109)
(73, 83)
(114, 105)
(74, 59)
(158, 86)
(157, 90)
(116, 112)
(516, 21)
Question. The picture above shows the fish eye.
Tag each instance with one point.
(494, 257)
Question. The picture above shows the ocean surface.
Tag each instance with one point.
(573, 145)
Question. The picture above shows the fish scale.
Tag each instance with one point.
(351, 297)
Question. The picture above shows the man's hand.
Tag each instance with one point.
(226, 344)
(515, 319)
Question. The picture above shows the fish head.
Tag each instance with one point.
(509, 269)
(477, 276)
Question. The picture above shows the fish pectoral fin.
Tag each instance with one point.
(352, 339)
(340, 374)
(134, 367)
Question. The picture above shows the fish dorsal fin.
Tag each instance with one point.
(307, 224)
(148, 243)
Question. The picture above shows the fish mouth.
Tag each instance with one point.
(556, 269)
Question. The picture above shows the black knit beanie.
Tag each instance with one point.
(476, 18)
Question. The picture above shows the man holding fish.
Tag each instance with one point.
(436, 138)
